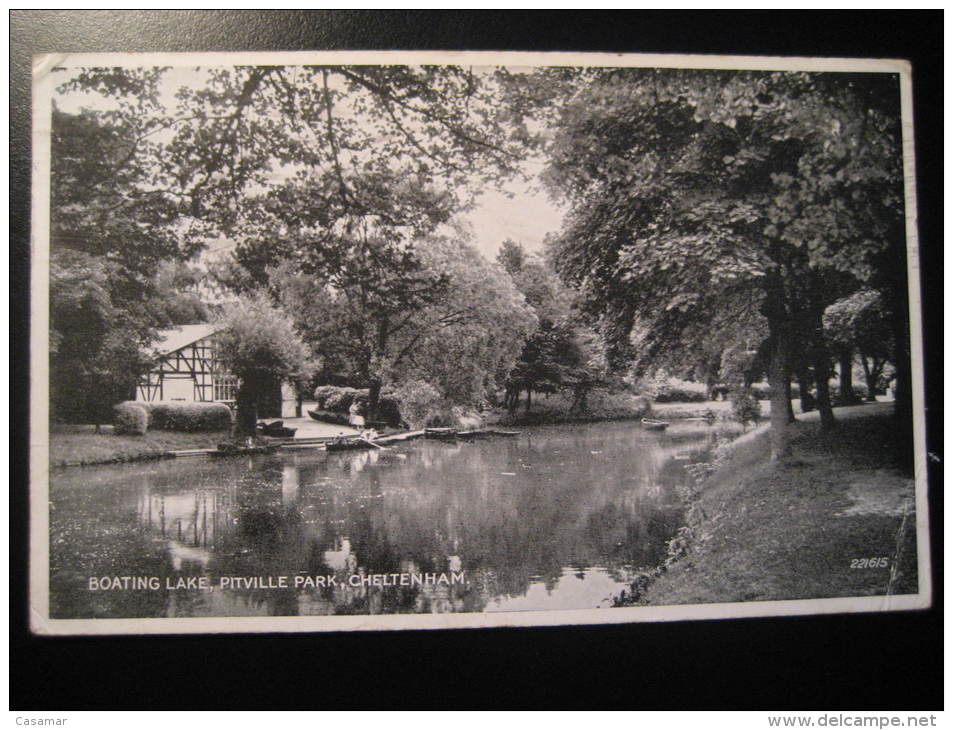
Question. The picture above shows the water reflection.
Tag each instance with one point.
(559, 517)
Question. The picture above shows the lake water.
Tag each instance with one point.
(559, 517)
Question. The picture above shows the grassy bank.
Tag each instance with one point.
(76, 445)
(793, 530)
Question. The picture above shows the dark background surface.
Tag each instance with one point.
(872, 661)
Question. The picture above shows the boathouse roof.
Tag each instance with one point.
(175, 339)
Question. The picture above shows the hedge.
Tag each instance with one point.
(130, 418)
(174, 416)
(337, 399)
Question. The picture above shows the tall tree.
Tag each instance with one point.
(259, 344)
(110, 232)
(561, 354)
(467, 343)
(691, 189)
(450, 318)
(334, 160)
(96, 347)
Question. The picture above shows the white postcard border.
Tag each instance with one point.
(42, 624)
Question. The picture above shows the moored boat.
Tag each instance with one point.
(328, 417)
(653, 424)
(276, 429)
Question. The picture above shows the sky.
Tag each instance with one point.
(526, 219)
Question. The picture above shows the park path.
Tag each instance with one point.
(308, 428)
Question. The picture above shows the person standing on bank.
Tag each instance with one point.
(355, 417)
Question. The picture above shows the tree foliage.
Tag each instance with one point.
(460, 331)
(334, 168)
(259, 344)
(861, 324)
(245, 129)
(96, 347)
(562, 353)
(690, 190)
(467, 343)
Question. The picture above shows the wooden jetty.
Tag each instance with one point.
(238, 450)
(335, 443)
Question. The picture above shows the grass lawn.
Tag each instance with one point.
(73, 445)
(793, 530)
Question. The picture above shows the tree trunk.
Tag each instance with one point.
(779, 336)
(529, 398)
(512, 398)
(777, 376)
(804, 386)
(787, 398)
(373, 399)
(822, 367)
(872, 372)
(845, 368)
(246, 421)
(871, 385)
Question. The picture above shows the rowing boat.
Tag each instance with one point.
(653, 424)
(276, 429)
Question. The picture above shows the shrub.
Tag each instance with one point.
(763, 392)
(746, 408)
(130, 418)
(422, 405)
(856, 396)
(184, 416)
(673, 394)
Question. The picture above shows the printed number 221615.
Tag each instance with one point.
(870, 563)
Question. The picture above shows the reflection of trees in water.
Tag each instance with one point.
(593, 496)
(95, 533)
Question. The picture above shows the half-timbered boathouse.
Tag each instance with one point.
(187, 368)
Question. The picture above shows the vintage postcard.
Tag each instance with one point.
(362, 341)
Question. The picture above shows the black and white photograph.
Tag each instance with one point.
(389, 340)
